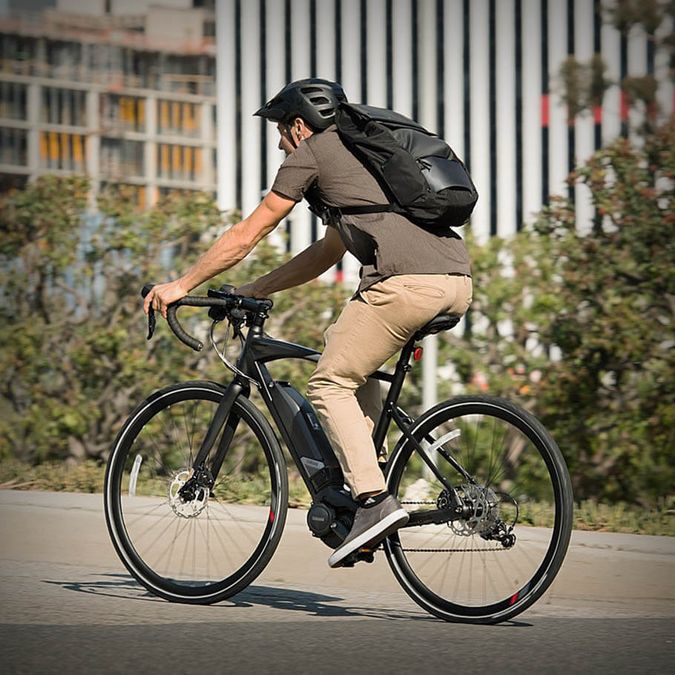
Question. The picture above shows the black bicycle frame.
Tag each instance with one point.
(257, 351)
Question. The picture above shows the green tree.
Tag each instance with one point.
(72, 336)
(578, 327)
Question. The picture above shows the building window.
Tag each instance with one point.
(122, 158)
(179, 162)
(177, 118)
(13, 146)
(63, 106)
(13, 101)
(123, 113)
(62, 151)
(10, 181)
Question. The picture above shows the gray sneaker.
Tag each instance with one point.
(371, 525)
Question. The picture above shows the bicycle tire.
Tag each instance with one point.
(483, 581)
(157, 535)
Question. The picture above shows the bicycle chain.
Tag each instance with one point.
(447, 550)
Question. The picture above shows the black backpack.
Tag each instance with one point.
(420, 174)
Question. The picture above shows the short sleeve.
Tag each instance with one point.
(296, 174)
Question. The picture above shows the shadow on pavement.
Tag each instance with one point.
(123, 586)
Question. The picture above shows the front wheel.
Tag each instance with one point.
(206, 544)
(499, 556)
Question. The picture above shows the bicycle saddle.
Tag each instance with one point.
(437, 324)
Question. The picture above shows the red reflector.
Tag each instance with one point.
(271, 516)
(417, 354)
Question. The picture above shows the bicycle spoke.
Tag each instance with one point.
(480, 561)
(182, 536)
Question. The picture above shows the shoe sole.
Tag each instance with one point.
(375, 534)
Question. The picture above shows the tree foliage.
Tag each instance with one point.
(576, 326)
(579, 326)
(72, 332)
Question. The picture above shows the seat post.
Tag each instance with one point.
(402, 368)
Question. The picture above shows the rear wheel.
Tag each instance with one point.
(209, 543)
(503, 552)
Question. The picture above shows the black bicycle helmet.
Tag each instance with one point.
(312, 99)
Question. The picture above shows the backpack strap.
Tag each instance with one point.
(363, 210)
(331, 215)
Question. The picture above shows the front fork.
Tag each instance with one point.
(203, 476)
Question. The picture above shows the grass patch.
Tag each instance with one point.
(591, 515)
(88, 477)
(53, 476)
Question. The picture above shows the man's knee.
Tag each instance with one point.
(326, 382)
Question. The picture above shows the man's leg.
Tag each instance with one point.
(369, 397)
(367, 333)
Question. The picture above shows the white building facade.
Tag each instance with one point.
(483, 74)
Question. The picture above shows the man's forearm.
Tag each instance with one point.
(238, 241)
(307, 265)
(232, 247)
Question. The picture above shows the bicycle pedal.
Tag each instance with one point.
(365, 555)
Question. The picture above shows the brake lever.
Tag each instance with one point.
(152, 323)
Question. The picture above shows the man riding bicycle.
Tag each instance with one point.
(408, 276)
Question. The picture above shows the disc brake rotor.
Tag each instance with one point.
(484, 505)
(186, 509)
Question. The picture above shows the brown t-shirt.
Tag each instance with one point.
(385, 244)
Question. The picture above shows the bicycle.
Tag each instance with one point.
(196, 486)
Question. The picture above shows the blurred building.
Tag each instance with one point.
(122, 90)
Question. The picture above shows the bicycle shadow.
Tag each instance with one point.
(123, 586)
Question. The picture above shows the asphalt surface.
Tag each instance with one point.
(68, 605)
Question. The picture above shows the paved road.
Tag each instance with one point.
(67, 604)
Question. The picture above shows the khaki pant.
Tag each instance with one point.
(370, 329)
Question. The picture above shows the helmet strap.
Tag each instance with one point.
(289, 129)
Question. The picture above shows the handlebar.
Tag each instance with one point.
(221, 301)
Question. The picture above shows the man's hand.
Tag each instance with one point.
(250, 290)
(162, 295)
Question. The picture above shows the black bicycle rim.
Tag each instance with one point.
(168, 587)
(528, 592)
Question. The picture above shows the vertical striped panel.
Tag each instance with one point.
(351, 50)
(326, 68)
(275, 79)
(480, 118)
(401, 56)
(351, 81)
(250, 102)
(300, 218)
(386, 51)
(665, 95)
(325, 29)
(611, 104)
(585, 127)
(637, 66)
(506, 119)
(226, 104)
(428, 112)
(376, 19)
(557, 53)
(531, 134)
(453, 76)
(426, 75)
(300, 39)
